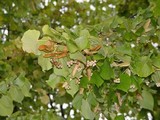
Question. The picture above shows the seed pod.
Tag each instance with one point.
(42, 47)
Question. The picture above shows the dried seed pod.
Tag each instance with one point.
(42, 47)
(56, 63)
(47, 47)
(89, 73)
(49, 55)
(75, 69)
(66, 85)
(92, 51)
(81, 91)
(61, 55)
(96, 48)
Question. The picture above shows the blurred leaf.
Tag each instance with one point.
(106, 72)
(49, 31)
(156, 60)
(156, 9)
(125, 82)
(78, 56)
(29, 41)
(6, 106)
(147, 100)
(145, 69)
(71, 47)
(77, 101)
(46, 30)
(23, 83)
(124, 49)
(53, 80)
(3, 87)
(86, 110)
(26, 88)
(92, 99)
(156, 78)
(16, 94)
(44, 63)
(96, 79)
(84, 82)
(83, 41)
(120, 117)
(73, 88)
(61, 72)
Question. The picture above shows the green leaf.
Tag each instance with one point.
(53, 80)
(92, 99)
(3, 87)
(143, 66)
(135, 82)
(44, 63)
(128, 36)
(147, 100)
(106, 72)
(71, 47)
(78, 56)
(20, 80)
(140, 31)
(98, 57)
(24, 84)
(49, 31)
(156, 78)
(61, 72)
(125, 82)
(120, 117)
(96, 79)
(86, 110)
(77, 101)
(156, 9)
(85, 33)
(16, 94)
(156, 60)
(6, 106)
(66, 36)
(26, 88)
(84, 82)
(83, 41)
(124, 49)
(29, 41)
(73, 88)
(64, 71)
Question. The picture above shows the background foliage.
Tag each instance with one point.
(99, 57)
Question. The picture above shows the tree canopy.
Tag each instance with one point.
(100, 58)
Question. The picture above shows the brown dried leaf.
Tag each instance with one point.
(75, 69)
(96, 48)
(49, 55)
(146, 25)
(42, 47)
(81, 91)
(119, 98)
(89, 73)
(61, 55)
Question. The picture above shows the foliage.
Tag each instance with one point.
(113, 68)
(17, 88)
(106, 65)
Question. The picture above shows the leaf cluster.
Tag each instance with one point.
(104, 73)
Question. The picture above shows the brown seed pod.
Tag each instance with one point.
(96, 48)
(47, 47)
(92, 51)
(56, 63)
(42, 47)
